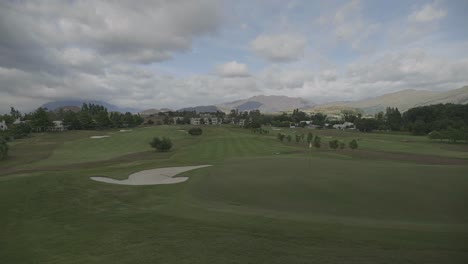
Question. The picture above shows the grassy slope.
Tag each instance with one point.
(253, 206)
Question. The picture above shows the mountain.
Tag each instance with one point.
(201, 109)
(267, 104)
(153, 111)
(52, 106)
(404, 100)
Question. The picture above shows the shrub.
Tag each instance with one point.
(289, 138)
(353, 144)
(281, 136)
(342, 145)
(3, 149)
(317, 142)
(333, 144)
(161, 145)
(196, 131)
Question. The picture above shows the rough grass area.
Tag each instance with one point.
(263, 201)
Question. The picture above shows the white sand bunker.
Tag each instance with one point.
(123, 130)
(152, 177)
(99, 137)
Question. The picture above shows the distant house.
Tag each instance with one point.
(195, 121)
(58, 127)
(242, 122)
(3, 126)
(18, 121)
(177, 118)
(345, 125)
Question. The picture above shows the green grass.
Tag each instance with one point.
(262, 202)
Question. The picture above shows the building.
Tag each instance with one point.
(242, 122)
(195, 121)
(58, 127)
(345, 125)
(3, 126)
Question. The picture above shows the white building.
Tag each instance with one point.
(242, 122)
(195, 121)
(345, 125)
(3, 126)
(58, 127)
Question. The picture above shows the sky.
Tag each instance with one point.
(179, 53)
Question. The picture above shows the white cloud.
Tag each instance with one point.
(233, 69)
(280, 47)
(428, 13)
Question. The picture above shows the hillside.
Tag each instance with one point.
(404, 100)
(267, 104)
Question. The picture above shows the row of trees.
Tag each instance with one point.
(89, 117)
(316, 141)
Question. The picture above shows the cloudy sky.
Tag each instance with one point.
(176, 53)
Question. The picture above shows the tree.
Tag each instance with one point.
(102, 120)
(298, 138)
(353, 144)
(333, 144)
(161, 145)
(310, 137)
(342, 145)
(435, 135)
(20, 130)
(281, 136)
(289, 138)
(71, 121)
(317, 142)
(3, 148)
(394, 120)
(419, 127)
(196, 131)
(40, 119)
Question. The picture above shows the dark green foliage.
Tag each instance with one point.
(20, 130)
(317, 142)
(289, 138)
(196, 131)
(333, 144)
(161, 145)
(424, 119)
(394, 120)
(353, 144)
(3, 148)
(310, 137)
(71, 121)
(342, 145)
(435, 135)
(40, 120)
(367, 124)
(281, 136)
(298, 138)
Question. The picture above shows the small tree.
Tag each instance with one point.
(281, 136)
(3, 149)
(317, 142)
(333, 144)
(435, 135)
(196, 131)
(161, 145)
(310, 137)
(353, 144)
(342, 145)
(298, 138)
(289, 138)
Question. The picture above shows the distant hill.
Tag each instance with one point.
(153, 111)
(201, 109)
(404, 100)
(267, 104)
(52, 106)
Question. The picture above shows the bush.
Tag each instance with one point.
(196, 131)
(281, 136)
(353, 144)
(161, 145)
(317, 142)
(342, 145)
(3, 149)
(333, 144)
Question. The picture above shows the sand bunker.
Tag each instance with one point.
(123, 130)
(99, 137)
(152, 177)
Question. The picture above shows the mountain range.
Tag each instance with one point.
(404, 100)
